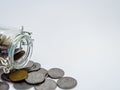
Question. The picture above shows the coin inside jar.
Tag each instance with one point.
(2, 38)
(3, 46)
(19, 55)
(6, 41)
(18, 75)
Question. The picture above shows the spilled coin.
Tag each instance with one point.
(22, 86)
(35, 67)
(29, 65)
(43, 71)
(56, 73)
(35, 78)
(49, 84)
(32, 75)
(4, 86)
(66, 83)
(18, 75)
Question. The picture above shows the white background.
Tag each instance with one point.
(80, 36)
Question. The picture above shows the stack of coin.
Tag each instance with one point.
(33, 75)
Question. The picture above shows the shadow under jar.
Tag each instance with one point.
(15, 48)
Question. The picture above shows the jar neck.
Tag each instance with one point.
(26, 39)
(9, 63)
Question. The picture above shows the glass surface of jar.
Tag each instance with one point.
(15, 48)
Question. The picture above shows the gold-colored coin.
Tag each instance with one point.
(18, 75)
(19, 55)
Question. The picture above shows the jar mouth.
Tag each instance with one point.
(24, 42)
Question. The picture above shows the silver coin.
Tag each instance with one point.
(35, 78)
(4, 86)
(49, 84)
(56, 73)
(29, 64)
(66, 83)
(22, 86)
(46, 76)
(43, 71)
(35, 67)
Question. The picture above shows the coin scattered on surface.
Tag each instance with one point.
(66, 83)
(32, 75)
(4, 86)
(22, 86)
(35, 78)
(49, 84)
(18, 75)
(56, 73)
(19, 55)
(43, 71)
(29, 64)
(35, 67)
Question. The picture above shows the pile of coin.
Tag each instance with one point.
(33, 75)
(4, 45)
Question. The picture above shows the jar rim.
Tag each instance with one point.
(12, 48)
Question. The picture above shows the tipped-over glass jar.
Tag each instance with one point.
(15, 48)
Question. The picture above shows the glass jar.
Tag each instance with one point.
(15, 48)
